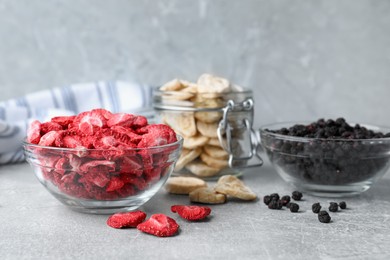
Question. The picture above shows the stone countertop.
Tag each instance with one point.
(34, 225)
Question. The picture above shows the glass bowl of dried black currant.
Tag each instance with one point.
(330, 158)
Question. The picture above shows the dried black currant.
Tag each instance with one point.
(324, 217)
(274, 196)
(285, 199)
(267, 199)
(294, 207)
(342, 205)
(275, 204)
(333, 207)
(297, 195)
(316, 207)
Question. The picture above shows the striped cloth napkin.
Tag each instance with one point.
(16, 114)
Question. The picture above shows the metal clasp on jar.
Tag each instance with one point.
(238, 118)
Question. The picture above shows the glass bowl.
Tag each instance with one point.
(327, 167)
(103, 181)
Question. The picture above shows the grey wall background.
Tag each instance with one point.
(303, 59)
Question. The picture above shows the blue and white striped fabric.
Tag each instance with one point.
(16, 114)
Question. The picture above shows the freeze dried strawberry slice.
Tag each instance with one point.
(152, 175)
(99, 179)
(34, 132)
(109, 165)
(121, 119)
(50, 126)
(90, 122)
(159, 225)
(126, 191)
(63, 120)
(157, 135)
(72, 141)
(192, 213)
(126, 219)
(119, 131)
(130, 165)
(61, 165)
(139, 183)
(50, 138)
(140, 121)
(115, 183)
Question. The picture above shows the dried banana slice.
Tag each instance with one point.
(209, 130)
(214, 142)
(173, 85)
(186, 157)
(212, 84)
(213, 162)
(200, 169)
(195, 141)
(184, 185)
(182, 123)
(232, 186)
(216, 152)
(207, 195)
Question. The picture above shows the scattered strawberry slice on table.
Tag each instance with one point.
(192, 213)
(126, 219)
(159, 225)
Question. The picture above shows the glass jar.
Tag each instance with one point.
(217, 131)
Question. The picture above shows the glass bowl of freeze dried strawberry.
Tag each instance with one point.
(328, 157)
(101, 162)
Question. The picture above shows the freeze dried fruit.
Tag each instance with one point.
(232, 186)
(184, 185)
(343, 205)
(285, 200)
(104, 163)
(207, 195)
(333, 207)
(267, 199)
(275, 204)
(192, 213)
(324, 217)
(294, 207)
(316, 207)
(159, 225)
(338, 153)
(297, 195)
(126, 219)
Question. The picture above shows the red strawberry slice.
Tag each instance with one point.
(126, 219)
(121, 119)
(50, 126)
(34, 132)
(115, 183)
(86, 167)
(157, 135)
(140, 121)
(159, 225)
(192, 213)
(63, 120)
(72, 141)
(50, 138)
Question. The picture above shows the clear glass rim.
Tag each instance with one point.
(179, 142)
(265, 130)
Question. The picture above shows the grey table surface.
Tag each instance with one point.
(34, 225)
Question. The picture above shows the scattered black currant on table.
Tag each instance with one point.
(323, 216)
(275, 204)
(297, 195)
(285, 200)
(343, 205)
(333, 159)
(333, 207)
(316, 207)
(294, 207)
